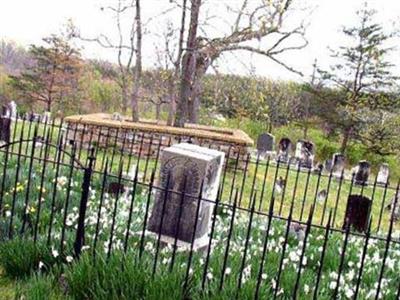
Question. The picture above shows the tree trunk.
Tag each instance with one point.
(124, 90)
(158, 111)
(194, 104)
(137, 75)
(188, 67)
(346, 139)
(172, 102)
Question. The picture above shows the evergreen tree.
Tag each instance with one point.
(362, 76)
(53, 77)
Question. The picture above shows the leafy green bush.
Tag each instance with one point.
(20, 258)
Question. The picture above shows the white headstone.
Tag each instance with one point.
(383, 174)
(189, 165)
(13, 110)
(46, 117)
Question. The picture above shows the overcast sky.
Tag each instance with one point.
(28, 21)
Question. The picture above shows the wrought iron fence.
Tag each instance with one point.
(86, 197)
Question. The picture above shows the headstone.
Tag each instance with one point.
(117, 117)
(280, 185)
(305, 153)
(297, 230)
(194, 167)
(338, 164)
(394, 207)
(285, 147)
(328, 165)
(13, 110)
(265, 143)
(5, 125)
(115, 188)
(46, 117)
(361, 173)
(383, 174)
(357, 212)
(321, 196)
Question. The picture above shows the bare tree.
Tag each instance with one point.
(125, 51)
(169, 57)
(252, 23)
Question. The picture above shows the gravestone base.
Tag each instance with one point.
(199, 244)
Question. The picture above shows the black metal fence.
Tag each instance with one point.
(276, 242)
(273, 180)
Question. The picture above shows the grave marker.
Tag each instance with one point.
(265, 143)
(338, 164)
(305, 153)
(362, 173)
(285, 147)
(357, 212)
(5, 125)
(383, 174)
(194, 167)
(394, 207)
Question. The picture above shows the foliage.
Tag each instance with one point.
(362, 75)
(53, 78)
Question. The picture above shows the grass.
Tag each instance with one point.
(127, 277)
(7, 287)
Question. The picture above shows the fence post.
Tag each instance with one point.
(80, 232)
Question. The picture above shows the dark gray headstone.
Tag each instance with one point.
(394, 207)
(115, 188)
(383, 174)
(5, 125)
(265, 143)
(357, 212)
(328, 165)
(362, 173)
(285, 147)
(338, 164)
(305, 153)
(186, 165)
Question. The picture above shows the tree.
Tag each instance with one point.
(255, 20)
(54, 74)
(127, 49)
(380, 132)
(188, 73)
(362, 75)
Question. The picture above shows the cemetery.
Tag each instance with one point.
(199, 150)
(191, 209)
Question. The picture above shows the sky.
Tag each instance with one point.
(28, 21)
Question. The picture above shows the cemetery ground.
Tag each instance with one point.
(120, 274)
(44, 267)
(260, 177)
